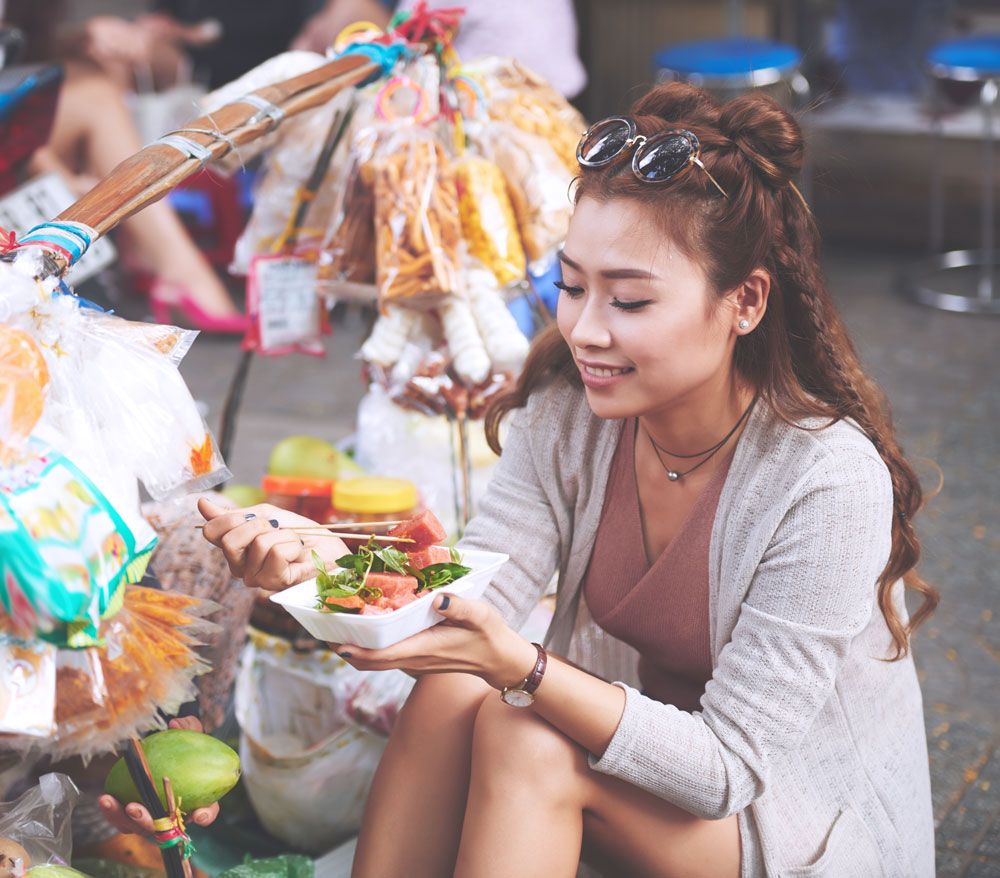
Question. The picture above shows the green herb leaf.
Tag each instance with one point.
(436, 575)
(456, 556)
(393, 560)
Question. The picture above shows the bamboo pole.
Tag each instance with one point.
(156, 169)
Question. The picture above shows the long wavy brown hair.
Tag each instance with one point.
(799, 358)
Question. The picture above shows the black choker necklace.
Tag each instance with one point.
(673, 474)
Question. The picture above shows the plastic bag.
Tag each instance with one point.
(521, 97)
(417, 226)
(24, 381)
(307, 765)
(65, 549)
(287, 168)
(488, 223)
(39, 820)
(147, 664)
(538, 184)
(27, 687)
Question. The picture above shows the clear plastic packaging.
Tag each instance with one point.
(417, 226)
(521, 97)
(39, 820)
(488, 222)
(538, 184)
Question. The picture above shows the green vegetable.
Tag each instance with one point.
(48, 871)
(349, 581)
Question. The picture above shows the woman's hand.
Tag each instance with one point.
(260, 547)
(134, 818)
(473, 639)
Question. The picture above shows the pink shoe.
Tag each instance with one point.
(166, 298)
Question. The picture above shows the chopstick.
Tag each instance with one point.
(350, 524)
(323, 530)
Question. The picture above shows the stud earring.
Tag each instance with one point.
(744, 324)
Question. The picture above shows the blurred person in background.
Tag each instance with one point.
(93, 131)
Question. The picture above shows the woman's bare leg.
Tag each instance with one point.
(413, 818)
(93, 132)
(533, 799)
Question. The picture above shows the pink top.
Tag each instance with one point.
(659, 608)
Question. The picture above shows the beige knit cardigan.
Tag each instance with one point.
(804, 731)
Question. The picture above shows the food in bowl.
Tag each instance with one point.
(377, 579)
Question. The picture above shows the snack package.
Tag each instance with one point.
(24, 381)
(38, 821)
(538, 184)
(488, 223)
(521, 97)
(27, 687)
(287, 168)
(117, 388)
(417, 226)
(147, 665)
(65, 549)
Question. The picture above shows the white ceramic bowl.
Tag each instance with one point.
(375, 632)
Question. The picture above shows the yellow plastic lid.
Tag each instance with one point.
(374, 495)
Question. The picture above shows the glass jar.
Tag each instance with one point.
(374, 498)
(308, 497)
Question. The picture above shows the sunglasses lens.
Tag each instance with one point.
(601, 144)
(663, 159)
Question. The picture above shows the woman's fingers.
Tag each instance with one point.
(284, 561)
(191, 723)
(133, 818)
(205, 816)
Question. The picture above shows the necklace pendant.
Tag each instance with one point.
(673, 475)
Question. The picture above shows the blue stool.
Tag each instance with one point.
(733, 64)
(974, 61)
(736, 65)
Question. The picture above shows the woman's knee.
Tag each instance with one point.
(511, 743)
(449, 701)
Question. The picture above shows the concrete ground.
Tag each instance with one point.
(939, 371)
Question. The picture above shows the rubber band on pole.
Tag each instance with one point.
(185, 145)
(70, 239)
(265, 110)
(398, 83)
(356, 30)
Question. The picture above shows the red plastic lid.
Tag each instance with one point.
(297, 486)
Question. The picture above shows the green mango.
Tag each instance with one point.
(312, 458)
(201, 769)
(244, 495)
(47, 871)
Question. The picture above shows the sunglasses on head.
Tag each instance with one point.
(656, 159)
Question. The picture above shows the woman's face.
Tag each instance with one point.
(645, 330)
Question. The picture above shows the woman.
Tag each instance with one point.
(700, 456)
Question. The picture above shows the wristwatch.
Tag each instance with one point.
(523, 694)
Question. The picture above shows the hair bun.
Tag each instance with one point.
(767, 134)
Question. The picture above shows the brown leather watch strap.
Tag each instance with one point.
(535, 677)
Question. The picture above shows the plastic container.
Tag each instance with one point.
(308, 497)
(376, 632)
(374, 498)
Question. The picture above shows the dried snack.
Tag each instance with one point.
(488, 222)
(417, 229)
(538, 185)
(521, 97)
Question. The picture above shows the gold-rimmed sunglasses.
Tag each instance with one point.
(656, 159)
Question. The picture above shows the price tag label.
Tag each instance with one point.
(285, 309)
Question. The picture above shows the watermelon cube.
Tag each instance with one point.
(426, 557)
(424, 529)
(392, 584)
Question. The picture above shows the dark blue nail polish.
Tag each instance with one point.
(445, 600)
(344, 654)
(249, 516)
(273, 522)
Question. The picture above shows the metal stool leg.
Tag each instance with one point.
(988, 97)
(936, 240)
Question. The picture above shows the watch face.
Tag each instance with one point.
(517, 698)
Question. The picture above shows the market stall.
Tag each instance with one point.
(394, 175)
